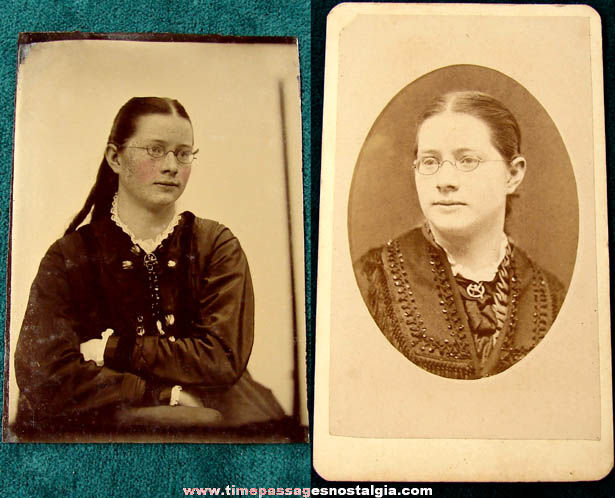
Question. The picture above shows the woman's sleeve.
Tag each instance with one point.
(372, 282)
(215, 350)
(50, 370)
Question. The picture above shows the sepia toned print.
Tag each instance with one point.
(456, 295)
(145, 318)
(463, 304)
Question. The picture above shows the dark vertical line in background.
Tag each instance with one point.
(296, 396)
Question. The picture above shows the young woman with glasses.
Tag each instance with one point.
(142, 308)
(456, 296)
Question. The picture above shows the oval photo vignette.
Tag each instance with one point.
(383, 206)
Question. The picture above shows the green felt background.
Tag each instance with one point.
(163, 470)
(133, 469)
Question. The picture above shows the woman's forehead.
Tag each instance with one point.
(454, 130)
(164, 128)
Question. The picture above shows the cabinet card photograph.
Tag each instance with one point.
(156, 253)
(463, 298)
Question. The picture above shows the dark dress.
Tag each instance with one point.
(424, 311)
(182, 315)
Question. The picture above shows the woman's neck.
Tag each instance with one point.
(473, 252)
(144, 223)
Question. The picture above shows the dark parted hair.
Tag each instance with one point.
(505, 131)
(124, 126)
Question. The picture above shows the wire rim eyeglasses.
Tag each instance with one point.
(430, 165)
(183, 156)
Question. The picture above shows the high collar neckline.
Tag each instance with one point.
(486, 273)
(147, 245)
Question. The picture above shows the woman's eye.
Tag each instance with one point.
(468, 161)
(184, 154)
(429, 161)
(156, 150)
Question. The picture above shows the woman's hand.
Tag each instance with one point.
(94, 349)
(187, 399)
(183, 398)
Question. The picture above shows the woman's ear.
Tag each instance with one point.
(112, 154)
(516, 173)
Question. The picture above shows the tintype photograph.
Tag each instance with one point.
(463, 269)
(156, 253)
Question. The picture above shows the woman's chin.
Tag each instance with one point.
(162, 199)
(453, 227)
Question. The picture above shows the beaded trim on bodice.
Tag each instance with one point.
(423, 346)
(435, 335)
(544, 312)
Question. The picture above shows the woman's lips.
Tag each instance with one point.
(449, 203)
(167, 184)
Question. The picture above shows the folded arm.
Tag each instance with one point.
(214, 351)
(50, 370)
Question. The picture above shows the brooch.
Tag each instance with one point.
(475, 290)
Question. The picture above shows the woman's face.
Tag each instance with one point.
(147, 181)
(459, 203)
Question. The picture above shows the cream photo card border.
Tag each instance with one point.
(373, 52)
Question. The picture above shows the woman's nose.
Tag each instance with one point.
(447, 176)
(169, 162)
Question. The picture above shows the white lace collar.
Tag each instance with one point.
(148, 245)
(486, 273)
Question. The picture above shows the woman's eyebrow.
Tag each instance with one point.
(465, 150)
(432, 152)
(155, 141)
(165, 142)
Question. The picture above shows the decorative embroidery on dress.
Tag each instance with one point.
(408, 332)
(148, 245)
(393, 305)
(511, 352)
(473, 284)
